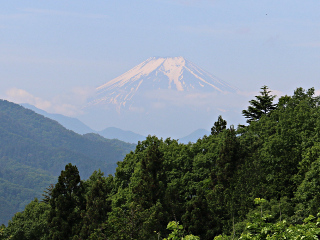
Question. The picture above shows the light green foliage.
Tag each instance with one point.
(177, 232)
(2, 232)
(282, 230)
(261, 228)
(31, 224)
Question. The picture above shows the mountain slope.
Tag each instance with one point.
(126, 136)
(34, 149)
(19, 184)
(49, 134)
(70, 123)
(176, 74)
(79, 127)
(194, 136)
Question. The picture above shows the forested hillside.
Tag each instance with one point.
(259, 181)
(34, 150)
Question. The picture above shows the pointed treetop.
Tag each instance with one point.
(262, 105)
(219, 126)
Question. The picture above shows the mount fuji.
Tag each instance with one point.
(168, 97)
(156, 73)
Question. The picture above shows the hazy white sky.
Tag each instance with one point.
(54, 53)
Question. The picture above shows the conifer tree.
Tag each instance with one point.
(219, 126)
(262, 105)
(66, 205)
(148, 181)
(97, 204)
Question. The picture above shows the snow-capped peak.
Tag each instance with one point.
(156, 73)
(171, 67)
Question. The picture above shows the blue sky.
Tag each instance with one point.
(53, 53)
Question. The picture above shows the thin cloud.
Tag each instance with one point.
(219, 30)
(221, 101)
(76, 97)
(13, 57)
(317, 92)
(315, 44)
(21, 96)
(222, 110)
(206, 30)
(191, 2)
(196, 100)
(68, 104)
(28, 12)
(255, 93)
(63, 13)
(12, 16)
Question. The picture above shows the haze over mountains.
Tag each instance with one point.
(77, 126)
(162, 96)
(70, 123)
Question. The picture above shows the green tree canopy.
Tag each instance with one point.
(31, 224)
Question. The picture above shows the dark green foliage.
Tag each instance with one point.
(308, 193)
(148, 181)
(38, 141)
(19, 184)
(219, 126)
(262, 105)
(98, 203)
(255, 182)
(197, 217)
(66, 202)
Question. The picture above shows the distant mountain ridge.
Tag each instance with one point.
(111, 132)
(70, 123)
(194, 136)
(77, 126)
(126, 136)
(34, 149)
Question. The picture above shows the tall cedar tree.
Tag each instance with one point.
(262, 105)
(97, 204)
(221, 199)
(66, 202)
(150, 179)
(148, 189)
(219, 126)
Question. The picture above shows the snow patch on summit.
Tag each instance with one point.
(173, 69)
